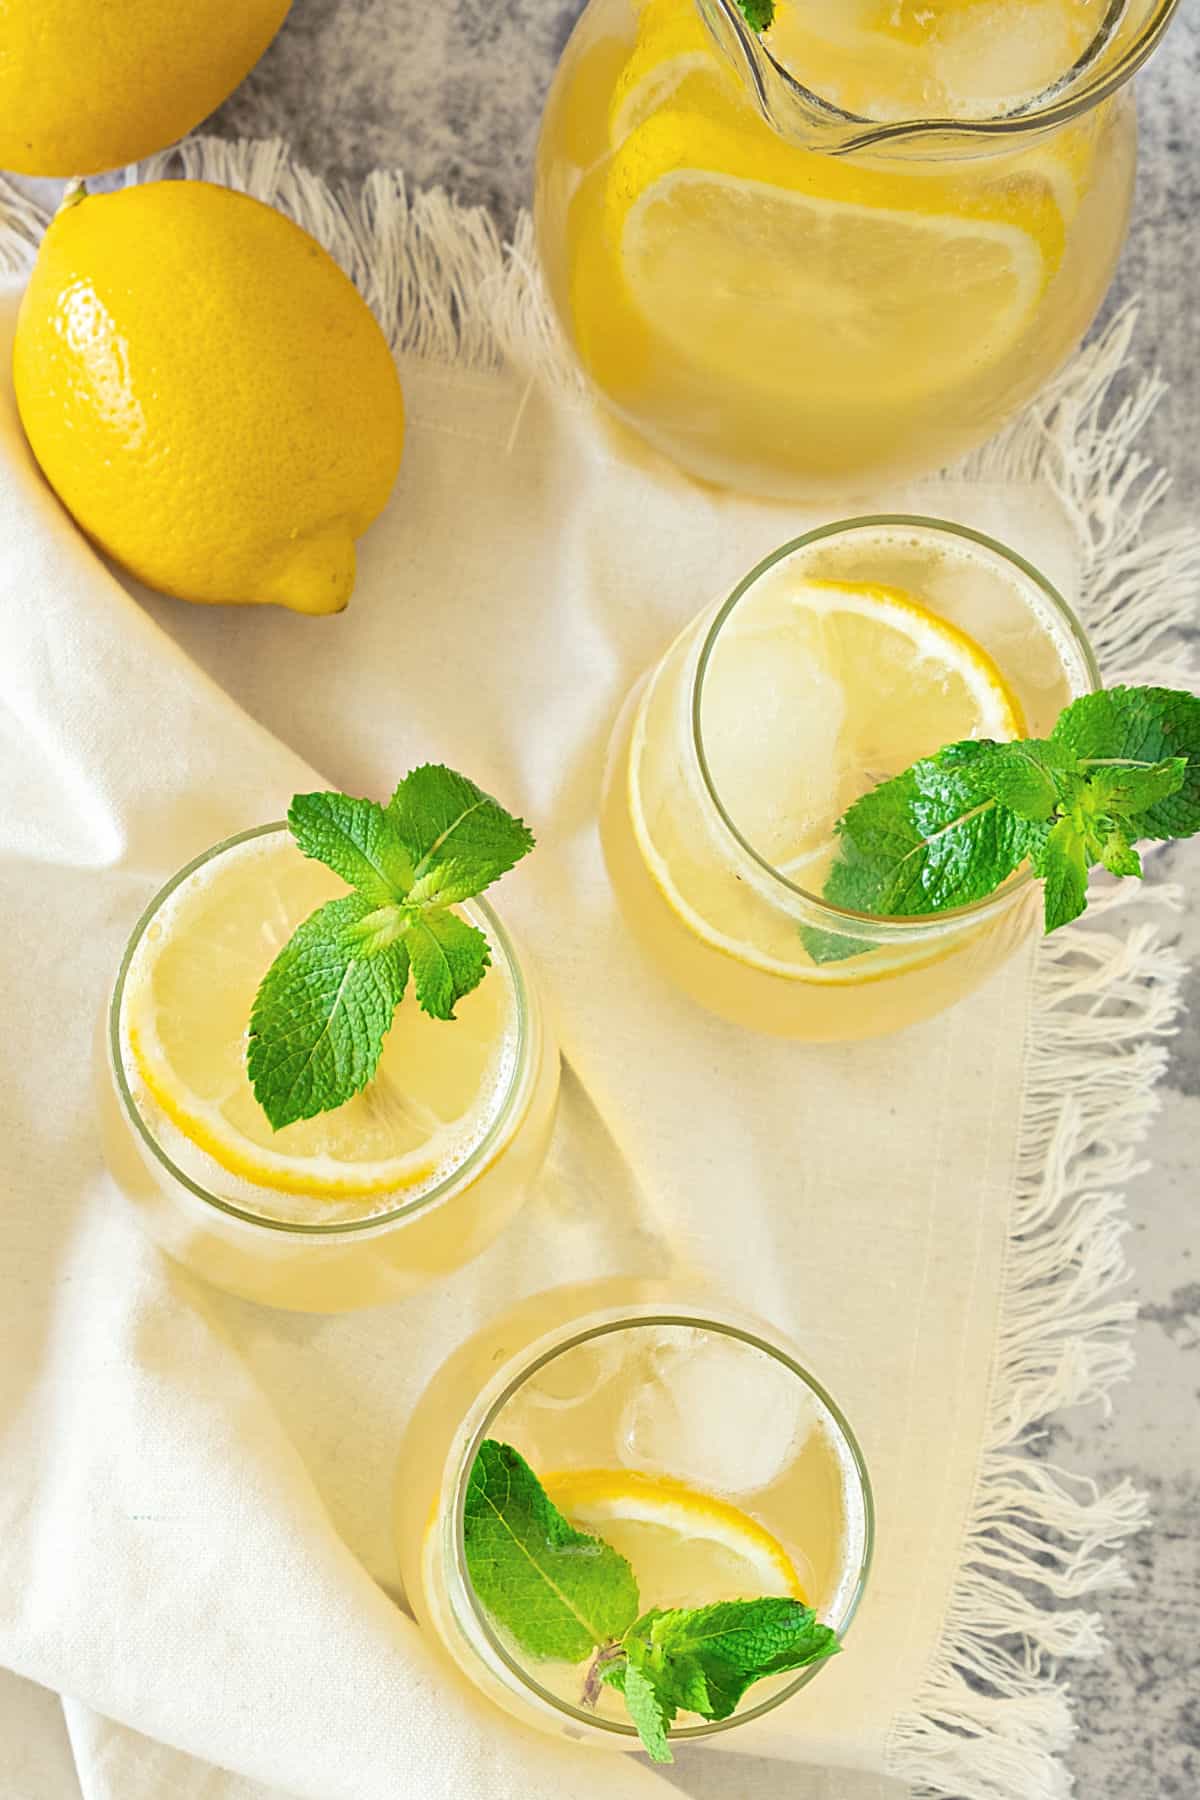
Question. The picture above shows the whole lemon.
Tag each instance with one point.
(208, 394)
(90, 84)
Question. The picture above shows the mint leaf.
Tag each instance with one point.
(758, 14)
(1142, 726)
(1119, 765)
(1118, 854)
(649, 1711)
(703, 1659)
(926, 840)
(449, 958)
(356, 840)
(1061, 860)
(321, 1015)
(460, 840)
(380, 928)
(931, 838)
(559, 1592)
(1132, 789)
(1029, 777)
(562, 1594)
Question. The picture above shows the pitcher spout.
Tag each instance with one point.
(806, 98)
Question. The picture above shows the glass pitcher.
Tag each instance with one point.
(846, 249)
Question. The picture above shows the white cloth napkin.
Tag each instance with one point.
(194, 1492)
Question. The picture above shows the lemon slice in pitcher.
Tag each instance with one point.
(768, 268)
(673, 42)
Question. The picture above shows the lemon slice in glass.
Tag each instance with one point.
(187, 1000)
(814, 692)
(686, 1547)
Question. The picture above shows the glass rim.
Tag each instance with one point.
(653, 1314)
(1043, 113)
(300, 1227)
(883, 928)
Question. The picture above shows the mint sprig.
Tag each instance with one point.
(325, 1005)
(559, 1591)
(565, 1595)
(1120, 765)
(758, 14)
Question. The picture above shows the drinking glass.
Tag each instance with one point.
(730, 763)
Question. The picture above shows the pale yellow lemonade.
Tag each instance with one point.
(837, 663)
(406, 1181)
(776, 273)
(688, 1438)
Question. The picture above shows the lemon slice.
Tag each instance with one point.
(686, 1547)
(187, 1000)
(815, 691)
(673, 43)
(839, 296)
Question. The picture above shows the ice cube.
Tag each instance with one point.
(995, 54)
(716, 1413)
(575, 1376)
(771, 719)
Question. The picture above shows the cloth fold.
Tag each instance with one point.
(195, 1534)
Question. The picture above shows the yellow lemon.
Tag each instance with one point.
(87, 86)
(208, 394)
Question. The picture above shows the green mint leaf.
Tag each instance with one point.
(356, 840)
(459, 839)
(385, 926)
(1131, 789)
(449, 958)
(703, 1659)
(1142, 726)
(1118, 854)
(1061, 860)
(1030, 777)
(321, 1015)
(559, 1592)
(926, 840)
(649, 1711)
(758, 14)
(1119, 765)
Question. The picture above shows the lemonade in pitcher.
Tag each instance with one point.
(849, 245)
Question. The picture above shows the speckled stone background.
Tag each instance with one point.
(452, 94)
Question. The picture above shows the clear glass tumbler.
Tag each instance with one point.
(734, 756)
(299, 1247)
(639, 1406)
